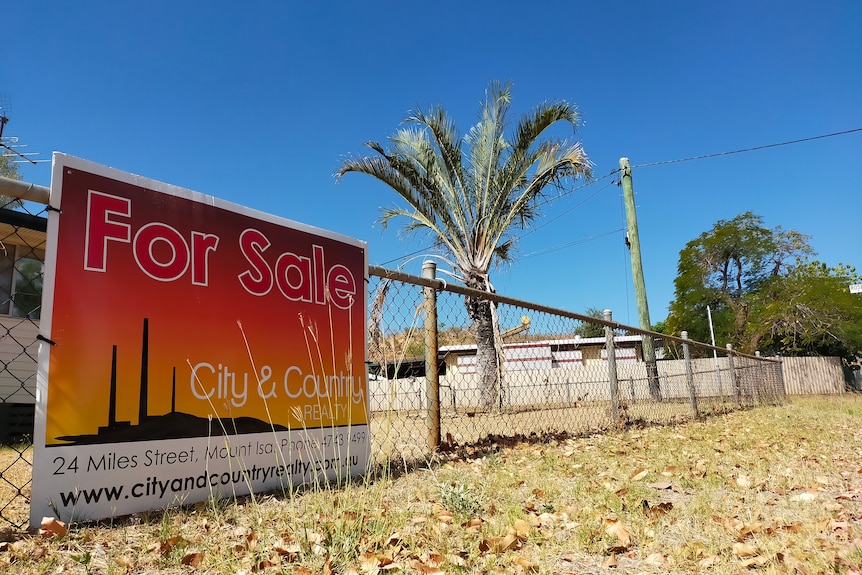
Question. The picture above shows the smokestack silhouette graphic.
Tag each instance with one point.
(113, 424)
(112, 402)
(145, 352)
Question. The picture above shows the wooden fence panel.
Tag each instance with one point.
(812, 375)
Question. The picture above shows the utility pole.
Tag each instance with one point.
(638, 278)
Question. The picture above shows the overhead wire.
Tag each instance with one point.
(742, 150)
(549, 199)
(576, 206)
(572, 243)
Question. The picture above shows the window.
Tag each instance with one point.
(21, 272)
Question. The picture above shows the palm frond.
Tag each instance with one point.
(473, 194)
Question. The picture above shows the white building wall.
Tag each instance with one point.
(19, 350)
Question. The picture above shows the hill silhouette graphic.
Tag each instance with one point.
(173, 425)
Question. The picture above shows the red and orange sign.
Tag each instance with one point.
(172, 313)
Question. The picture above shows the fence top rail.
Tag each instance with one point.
(442, 285)
(24, 191)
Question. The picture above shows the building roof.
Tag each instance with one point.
(572, 341)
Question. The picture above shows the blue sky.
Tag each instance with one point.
(258, 102)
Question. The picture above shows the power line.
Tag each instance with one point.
(405, 256)
(576, 206)
(547, 200)
(572, 243)
(748, 149)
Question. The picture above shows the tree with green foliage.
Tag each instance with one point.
(723, 268)
(809, 312)
(473, 194)
(587, 329)
(8, 168)
(763, 292)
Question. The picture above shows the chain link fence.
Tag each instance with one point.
(447, 366)
(22, 253)
(438, 385)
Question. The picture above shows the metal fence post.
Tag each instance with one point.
(689, 377)
(432, 378)
(612, 369)
(734, 381)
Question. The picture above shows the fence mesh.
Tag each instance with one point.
(509, 369)
(22, 253)
(549, 371)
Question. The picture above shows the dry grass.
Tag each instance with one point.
(404, 434)
(16, 468)
(772, 489)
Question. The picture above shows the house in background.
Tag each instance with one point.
(548, 354)
(22, 256)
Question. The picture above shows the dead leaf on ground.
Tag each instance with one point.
(756, 561)
(638, 474)
(457, 560)
(368, 561)
(251, 540)
(749, 529)
(291, 550)
(52, 527)
(167, 545)
(192, 559)
(426, 569)
(266, 564)
(498, 544)
(794, 527)
(522, 529)
(744, 550)
(394, 539)
(654, 511)
(618, 529)
(445, 517)
(657, 559)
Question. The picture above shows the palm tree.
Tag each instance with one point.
(473, 194)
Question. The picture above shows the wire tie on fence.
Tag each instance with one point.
(444, 285)
(50, 208)
(46, 340)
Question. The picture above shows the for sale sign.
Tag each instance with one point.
(193, 348)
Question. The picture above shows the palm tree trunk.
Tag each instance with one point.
(487, 360)
(486, 357)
